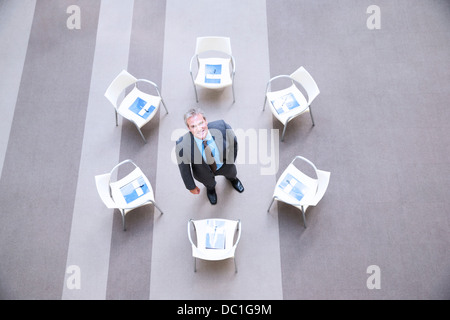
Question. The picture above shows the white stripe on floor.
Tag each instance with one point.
(90, 236)
(258, 254)
(14, 34)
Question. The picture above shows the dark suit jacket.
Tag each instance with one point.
(190, 160)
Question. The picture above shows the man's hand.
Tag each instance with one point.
(196, 190)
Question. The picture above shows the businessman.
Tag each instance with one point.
(206, 151)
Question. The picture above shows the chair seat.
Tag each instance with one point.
(295, 188)
(139, 107)
(212, 254)
(214, 73)
(287, 103)
(132, 191)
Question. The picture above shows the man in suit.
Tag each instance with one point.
(206, 151)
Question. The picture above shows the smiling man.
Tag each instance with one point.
(206, 151)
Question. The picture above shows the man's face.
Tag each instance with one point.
(198, 126)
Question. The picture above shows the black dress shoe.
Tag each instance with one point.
(212, 196)
(237, 184)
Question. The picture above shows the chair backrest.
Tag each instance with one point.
(102, 183)
(121, 164)
(221, 44)
(118, 85)
(324, 179)
(306, 80)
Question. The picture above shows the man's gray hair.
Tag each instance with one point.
(192, 112)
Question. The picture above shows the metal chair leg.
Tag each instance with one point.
(195, 90)
(154, 203)
(235, 266)
(312, 119)
(123, 220)
(117, 119)
(304, 218)
(232, 87)
(284, 130)
(195, 264)
(273, 199)
(164, 105)
(142, 135)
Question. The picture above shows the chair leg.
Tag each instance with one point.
(142, 135)
(232, 88)
(123, 220)
(264, 105)
(284, 130)
(195, 264)
(273, 199)
(310, 113)
(164, 105)
(235, 265)
(304, 218)
(117, 119)
(195, 90)
(154, 203)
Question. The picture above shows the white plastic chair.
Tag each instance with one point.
(137, 106)
(131, 192)
(214, 239)
(296, 188)
(288, 103)
(215, 64)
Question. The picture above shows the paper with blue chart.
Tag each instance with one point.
(134, 190)
(139, 108)
(213, 73)
(293, 187)
(215, 238)
(285, 103)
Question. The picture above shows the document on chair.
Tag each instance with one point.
(134, 190)
(139, 107)
(285, 103)
(215, 236)
(213, 72)
(293, 187)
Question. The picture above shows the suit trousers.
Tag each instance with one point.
(229, 171)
